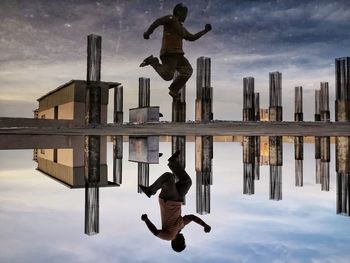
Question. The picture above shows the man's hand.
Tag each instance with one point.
(145, 35)
(207, 229)
(207, 27)
(144, 217)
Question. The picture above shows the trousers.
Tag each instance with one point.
(172, 63)
(171, 190)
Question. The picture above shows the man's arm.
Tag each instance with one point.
(190, 218)
(159, 22)
(193, 37)
(150, 225)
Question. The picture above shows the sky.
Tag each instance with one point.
(45, 220)
(43, 45)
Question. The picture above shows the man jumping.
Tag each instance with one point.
(170, 200)
(171, 53)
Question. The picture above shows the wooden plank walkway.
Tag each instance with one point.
(214, 128)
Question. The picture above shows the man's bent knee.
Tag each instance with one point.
(187, 73)
(168, 77)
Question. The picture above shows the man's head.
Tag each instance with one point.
(180, 11)
(178, 244)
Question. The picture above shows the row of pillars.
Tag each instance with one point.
(251, 144)
(322, 144)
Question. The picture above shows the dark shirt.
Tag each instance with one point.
(173, 34)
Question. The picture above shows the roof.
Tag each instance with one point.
(110, 85)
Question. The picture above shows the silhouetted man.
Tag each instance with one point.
(171, 53)
(170, 200)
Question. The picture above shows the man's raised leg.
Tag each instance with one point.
(185, 181)
(185, 72)
(166, 182)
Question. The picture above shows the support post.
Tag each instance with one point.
(92, 143)
(203, 144)
(144, 101)
(275, 142)
(257, 138)
(118, 140)
(298, 140)
(325, 142)
(342, 114)
(317, 138)
(178, 143)
(248, 141)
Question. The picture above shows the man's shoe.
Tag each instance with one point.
(175, 156)
(147, 61)
(146, 190)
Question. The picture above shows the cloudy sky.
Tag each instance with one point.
(43, 45)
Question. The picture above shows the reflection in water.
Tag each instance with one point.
(67, 167)
(172, 194)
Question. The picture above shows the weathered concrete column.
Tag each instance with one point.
(325, 142)
(318, 139)
(275, 142)
(342, 114)
(144, 101)
(248, 141)
(203, 144)
(118, 140)
(179, 115)
(257, 138)
(298, 140)
(92, 210)
(92, 143)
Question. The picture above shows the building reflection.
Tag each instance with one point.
(82, 163)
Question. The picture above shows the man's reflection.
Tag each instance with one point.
(170, 200)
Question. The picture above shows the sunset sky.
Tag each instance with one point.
(43, 45)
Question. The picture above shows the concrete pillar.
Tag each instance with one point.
(118, 140)
(92, 143)
(317, 138)
(275, 142)
(92, 224)
(325, 142)
(342, 114)
(248, 141)
(298, 140)
(203, 144)
(144, 101)
(179, 115)
(257, 138)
